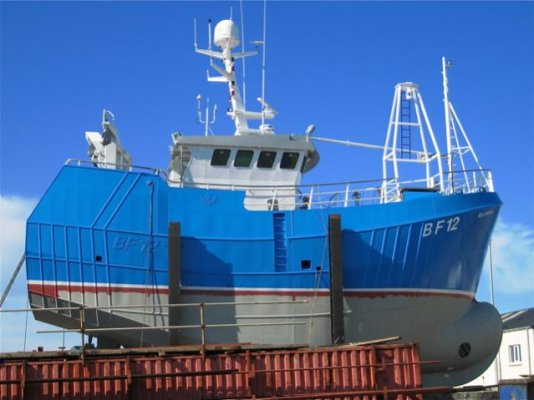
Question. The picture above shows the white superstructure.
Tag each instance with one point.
(269, 167)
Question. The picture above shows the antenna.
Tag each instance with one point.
(209, 34)
(195, 32)
(444, 67)
(199, 115)
(263, 63)
(206, 120)
(225, 39)
(243, 50)
(214, 112)
(458, 147)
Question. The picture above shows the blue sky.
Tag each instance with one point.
(332, 64)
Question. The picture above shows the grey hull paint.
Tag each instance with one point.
(440, 324)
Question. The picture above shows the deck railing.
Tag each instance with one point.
(358, 193)
(340, 194)
(104, 165)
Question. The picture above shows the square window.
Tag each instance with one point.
(243, 158)
(514, 353)
(220, 157)
(289, 160)
(266, 159)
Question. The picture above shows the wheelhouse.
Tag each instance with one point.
(250, 163)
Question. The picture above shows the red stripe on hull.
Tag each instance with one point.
(245, 292)
(308, 293)
(53, 291)
(383, 294)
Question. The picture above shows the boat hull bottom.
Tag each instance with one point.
(458, 336)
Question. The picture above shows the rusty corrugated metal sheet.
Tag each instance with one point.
(363, 373)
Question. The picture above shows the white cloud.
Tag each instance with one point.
(513, 258)
(15, 331)
(13, 214)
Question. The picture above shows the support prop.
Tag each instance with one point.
(336, 280)
(174, 280)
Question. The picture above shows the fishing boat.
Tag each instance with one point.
(228, 246)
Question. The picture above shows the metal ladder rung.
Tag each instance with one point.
(405, 123)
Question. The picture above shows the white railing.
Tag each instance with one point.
(102, 164)
(341, 194)
(350, 194)
(470, 181)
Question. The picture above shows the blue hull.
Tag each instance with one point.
(108, 228)
(99, 238)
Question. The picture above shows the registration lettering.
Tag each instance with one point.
(485, 214)
(442, 225)
(143, 245)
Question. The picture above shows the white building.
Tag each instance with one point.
(515, 359)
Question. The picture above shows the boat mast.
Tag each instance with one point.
(458, 147)
(406, 98)
(450, 183)
(242, 20)
(226, 38)
(264, 45)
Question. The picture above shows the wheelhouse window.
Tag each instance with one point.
(266, 159)
(289, 160)
(243, 158)
(220, 157)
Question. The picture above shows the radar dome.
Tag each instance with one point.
(226, 34)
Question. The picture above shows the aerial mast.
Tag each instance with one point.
(226, 38)
(458, 147)
(444, 66)
(206, 121)
(397, 152)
